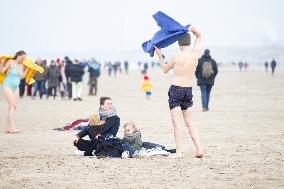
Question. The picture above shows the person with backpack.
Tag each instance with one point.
(205, 73)
(95, 72)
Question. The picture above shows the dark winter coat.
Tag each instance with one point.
(110, 127)
(198, 72)
(76, 73)
(53, 76)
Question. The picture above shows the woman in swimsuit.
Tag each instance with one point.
(15, 72)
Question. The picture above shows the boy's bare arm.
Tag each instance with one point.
(197, 35)
(165, 67)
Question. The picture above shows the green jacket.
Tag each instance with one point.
(136, 143)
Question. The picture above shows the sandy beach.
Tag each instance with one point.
(242, 137)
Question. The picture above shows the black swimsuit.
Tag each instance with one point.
(180, 97)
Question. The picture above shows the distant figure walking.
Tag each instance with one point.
(241, 65)
(266, 66)
(126, 66)
(145, 68)
(205, 73)
(95, 72)
(273, 66)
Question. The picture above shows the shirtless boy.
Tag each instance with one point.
(183, 65)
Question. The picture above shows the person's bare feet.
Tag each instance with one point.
(175, 156)
(198, 154)
(8, 130)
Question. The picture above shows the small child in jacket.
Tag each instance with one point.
(132, 140)
(146, 87)
(94, 131)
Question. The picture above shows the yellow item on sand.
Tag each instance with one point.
(146, 86)
(28, 64)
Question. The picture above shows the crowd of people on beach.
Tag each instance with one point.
(64, 78)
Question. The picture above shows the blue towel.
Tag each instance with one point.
(170, 32)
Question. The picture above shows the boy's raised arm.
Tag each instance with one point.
(197, 35)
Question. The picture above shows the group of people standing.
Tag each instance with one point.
(63, 78)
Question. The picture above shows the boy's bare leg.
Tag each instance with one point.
(176, 113)
(192, 132)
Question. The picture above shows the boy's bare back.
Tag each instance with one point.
(185, 63)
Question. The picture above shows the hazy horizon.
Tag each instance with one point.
(70, 27)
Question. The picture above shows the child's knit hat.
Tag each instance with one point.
(146, 77)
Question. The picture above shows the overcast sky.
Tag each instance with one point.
(75, 26)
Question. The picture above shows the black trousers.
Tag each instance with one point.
(22, 87)
(93, 82)
(87, 146)
(69, 89)
(50, 90)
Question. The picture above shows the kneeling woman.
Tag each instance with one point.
(15, 72)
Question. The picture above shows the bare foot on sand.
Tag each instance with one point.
(175, 156)
(12, 130)
(198, 154)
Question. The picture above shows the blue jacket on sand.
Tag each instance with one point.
(170, 32)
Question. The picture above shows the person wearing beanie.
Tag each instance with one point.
(180, 95)
(146, 87)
